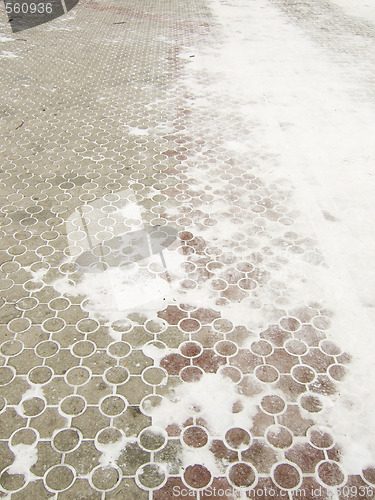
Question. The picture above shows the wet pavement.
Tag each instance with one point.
(166, 323)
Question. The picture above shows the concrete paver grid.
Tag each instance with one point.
(95, 108)
(67, 111)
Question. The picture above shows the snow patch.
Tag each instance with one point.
(6, 54)
(155, 352)
(211, 398)
(138, 131)
(112, 451)
(358, 8)
(24, 458)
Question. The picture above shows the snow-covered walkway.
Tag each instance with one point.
(188, 230)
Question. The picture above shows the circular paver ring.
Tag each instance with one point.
(197, 477)
(66, 440)
(242, 475)
(287, 476)
(237, 438)
(150, 403)
(59, 478)
(105, 478)
(11, 482)
(24, 436)
(151, 476)
(195, 436)
(113, 405)
(153, 438)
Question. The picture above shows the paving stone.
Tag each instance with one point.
(116, 155)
